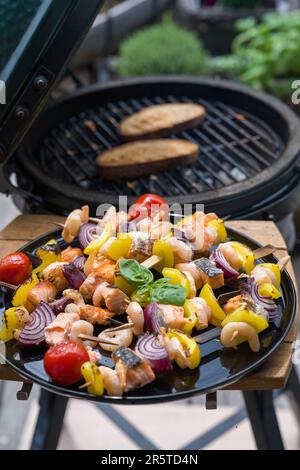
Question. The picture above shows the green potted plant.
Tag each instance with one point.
(213, 20)
(265, 55)
(162, 49)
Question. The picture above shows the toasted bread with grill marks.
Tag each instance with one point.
(145, 157)
(161, 121)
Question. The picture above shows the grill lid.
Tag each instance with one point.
(37, 39)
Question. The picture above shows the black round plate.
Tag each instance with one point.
(219, 367)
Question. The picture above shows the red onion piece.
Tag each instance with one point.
(153, 318)
(219, 259)
(252, 288)
(73, 275)
(33, 334)
(59, 305)
(87, 233)
(79, 262)
(149, 348)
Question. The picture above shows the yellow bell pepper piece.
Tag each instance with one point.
(190, 317)
(275, 269)
(120, 247)
(217, 313)
(219, 226)
(177, 278)
(122, 284)
(268, 290)
(9, 324)
(21, 294)
(93, 377)
(190, 348)
(245, 254)
(96, 244)
(49, 253)
(247, 316)
(162, 248)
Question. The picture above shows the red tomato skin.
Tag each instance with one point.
(151, 202)
(15, 268)
(63, 362)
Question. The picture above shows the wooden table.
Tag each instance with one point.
(272, 375)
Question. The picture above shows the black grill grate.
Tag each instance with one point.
(234, 146)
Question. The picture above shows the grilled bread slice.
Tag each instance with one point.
(144, 157)
(161, 121)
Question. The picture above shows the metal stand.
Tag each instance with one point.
(262, 416)
(49, 422)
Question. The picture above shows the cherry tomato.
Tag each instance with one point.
(148, 205)
(15, 268)
(63, 362)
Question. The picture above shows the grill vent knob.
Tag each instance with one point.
(22, 112)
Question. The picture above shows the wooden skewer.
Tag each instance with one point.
(86, 385)
(95, 220)
(152, 261)
(8, 286)
(95, 339)
(125, 326)
(58, 224)
(264, 251)
(283, 262)
(116, 322)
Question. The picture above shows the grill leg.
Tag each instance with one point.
(262, 416)
(49, 422)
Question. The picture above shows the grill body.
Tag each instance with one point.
(249, 148)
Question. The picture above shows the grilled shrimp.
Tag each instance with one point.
(174, 349)
(263, 275)
(209, 218)
(173, 315)
(69, 254)
(104, 268)
(22, 316)
(204, 239)
(122, 338)
(135, 315)
(193, 270)
(74, 295)
(94, 355)
(94, 315)
(115, 300)
(54, 273)
(203, 312)
(44, 290)
(183, 253)
(72, 225)
(89, 285)
(80, 327)
(231, 332)
(60, 328)
(111, 381)
(230, 255)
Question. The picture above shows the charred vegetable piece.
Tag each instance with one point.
(210, 273)
(13, 319)
(33, 334)
(98, 242)
(49, 253)
(92, 376)
(59, 305)
(21, 294)
(127, 356)
(217, 314)
(75, 277)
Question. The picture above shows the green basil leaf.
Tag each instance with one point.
(134, 273)
(142, 296)
(165, 293)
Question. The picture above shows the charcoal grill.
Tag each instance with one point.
(249, 141)
(249, 146)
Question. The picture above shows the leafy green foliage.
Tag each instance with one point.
(134, 273)
(264, 55)
(162, 49)
(239, 3)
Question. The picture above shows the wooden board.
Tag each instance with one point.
(273, 374)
